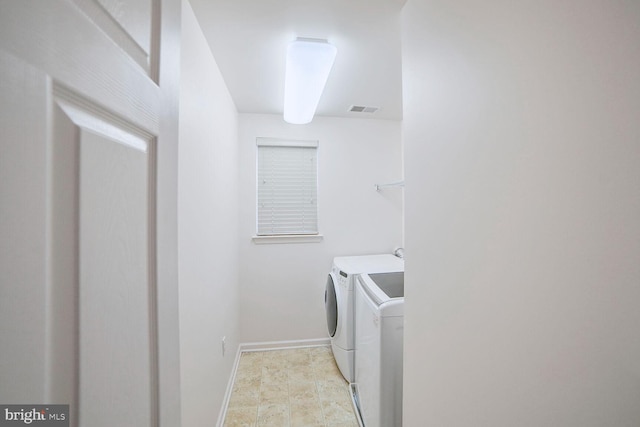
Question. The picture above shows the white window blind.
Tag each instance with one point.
(287, 187)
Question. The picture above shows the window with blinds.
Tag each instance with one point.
(287, 187)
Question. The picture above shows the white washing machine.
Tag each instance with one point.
(379, 307)
(339, 303)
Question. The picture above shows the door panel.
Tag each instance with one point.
(86, 319)
(116, 353)
(102, 179)
(56, 37)
(62, 253)
(128, 24)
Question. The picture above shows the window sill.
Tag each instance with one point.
(294, 238)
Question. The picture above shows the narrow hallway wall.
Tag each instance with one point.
(208, 229)
(522, 130)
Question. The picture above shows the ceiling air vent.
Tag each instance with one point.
(362, 109)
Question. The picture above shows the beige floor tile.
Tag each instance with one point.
(319, 361)
(250, 361)
(276, 358)
(273, 415)
(248, 381)
(301, 374)
(333, 389)
(320, 349)
(286, 351)
(244, 397)
(306, 414)
(320, 354)
(299, 358)
(300, 392)
(326, 371)
(251, 356)
(249, 370)
(344, 424)
(297, 351)
(274, 393)
(272, 374)
(337, 411)
(241, 417)
(290, 388)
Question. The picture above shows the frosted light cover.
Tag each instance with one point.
(309, 62)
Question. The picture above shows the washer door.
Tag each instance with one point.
(331, 306)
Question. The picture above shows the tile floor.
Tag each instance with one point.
(299, 387)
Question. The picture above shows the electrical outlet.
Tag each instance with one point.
(224, 345)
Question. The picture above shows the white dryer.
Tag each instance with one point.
(379, 312)
(340, 303)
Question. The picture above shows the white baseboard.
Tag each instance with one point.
(280, 345)
(262, 346)
(227, 394)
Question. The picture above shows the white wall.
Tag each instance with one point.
(208, 228)
(282, 285)
(522, 143)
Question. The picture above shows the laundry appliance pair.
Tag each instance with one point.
(340, 303)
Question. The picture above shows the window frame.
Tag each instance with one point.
(288, 237)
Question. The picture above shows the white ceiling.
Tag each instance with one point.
(249, 39)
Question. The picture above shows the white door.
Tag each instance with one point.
(88, 170)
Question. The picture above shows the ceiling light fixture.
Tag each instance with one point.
(309, 62)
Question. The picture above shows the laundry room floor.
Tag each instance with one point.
(290, 388)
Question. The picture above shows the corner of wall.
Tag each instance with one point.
(208, 227)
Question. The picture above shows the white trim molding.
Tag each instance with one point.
(291, 238)
(281, 345)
